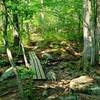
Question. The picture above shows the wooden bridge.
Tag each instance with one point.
(36, 66)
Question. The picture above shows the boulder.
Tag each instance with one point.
(81, 83)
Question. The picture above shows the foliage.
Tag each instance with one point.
(3, 62)
(51, 75)
(57, 38)
(25, 73)
(43, 26)
(59, 16)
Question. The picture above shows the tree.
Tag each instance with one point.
(97, 33)
(91, 29)
(16, 24)
(42, 15)
(5, 23)
(87, 32)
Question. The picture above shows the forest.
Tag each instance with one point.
(49, 49)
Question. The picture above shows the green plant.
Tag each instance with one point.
(25, 73)
(56, 38)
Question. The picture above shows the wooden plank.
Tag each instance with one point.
(40, 67)
(34, 63)
(36, 66)
(32, 66)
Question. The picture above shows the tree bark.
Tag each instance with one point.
(16, 25)
(42, 15)
(5, 23)
(27, 23)
(97, 33)
(9, 54)
(87, 33)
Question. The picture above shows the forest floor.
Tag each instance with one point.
(65, 64)
(49, 90)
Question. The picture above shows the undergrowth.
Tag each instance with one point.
(57, 38)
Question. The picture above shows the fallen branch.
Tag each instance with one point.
(64, 58)
(68, 49)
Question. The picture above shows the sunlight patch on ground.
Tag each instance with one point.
(36, 37)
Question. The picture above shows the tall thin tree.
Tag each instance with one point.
(5, 23)
(16, 24)
(97, 33)
(87, 32)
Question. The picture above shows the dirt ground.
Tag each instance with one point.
(47, 90)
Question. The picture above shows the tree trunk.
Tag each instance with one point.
(27, 23)
(5, 23)
(42, 15)
(24, 55)
(16, 26)
(97, 33)
(87, 33)
(79, 23)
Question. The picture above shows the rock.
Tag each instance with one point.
(45, 93)
(81, 83)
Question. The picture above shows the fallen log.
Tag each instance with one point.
(56, 61)
(68, 49)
